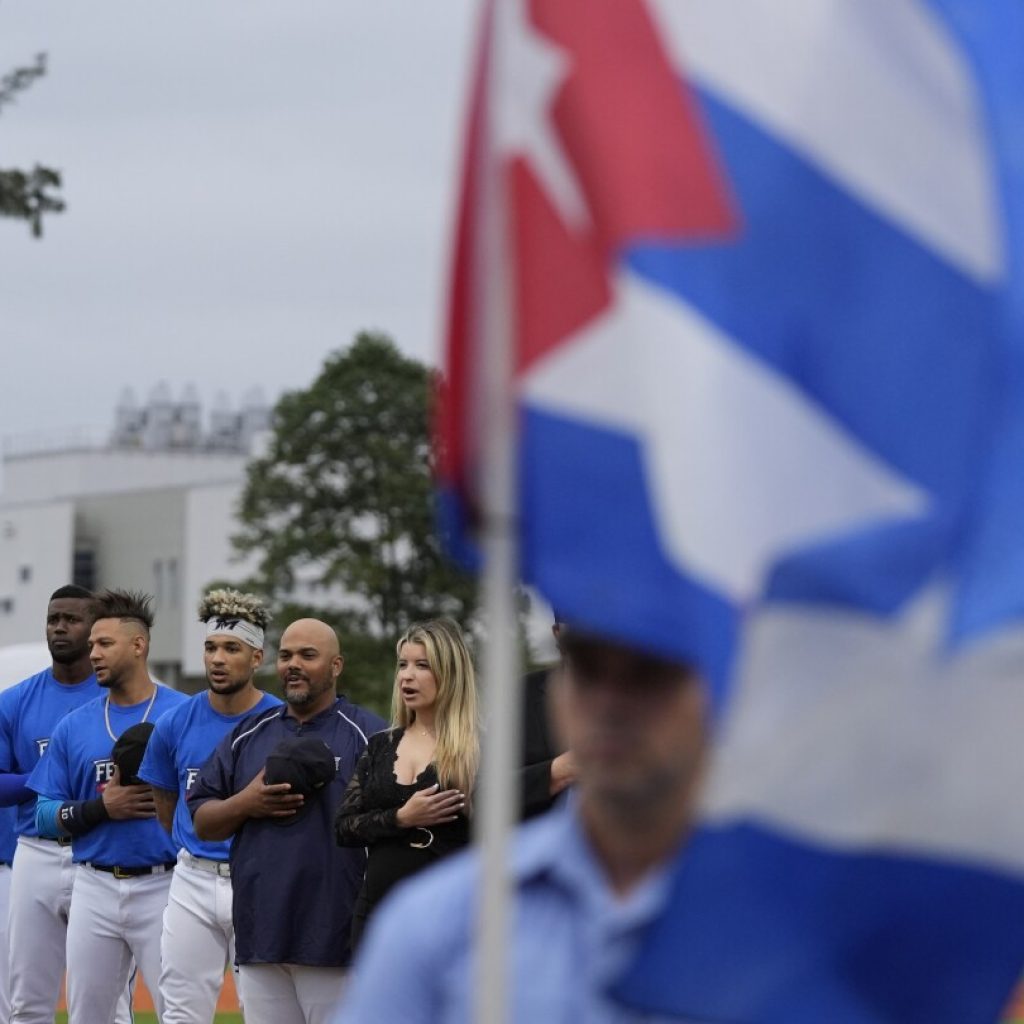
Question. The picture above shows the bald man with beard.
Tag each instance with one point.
(294, 889)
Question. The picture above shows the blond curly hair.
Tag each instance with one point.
(233, 604)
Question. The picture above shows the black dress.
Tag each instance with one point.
(368, 817)
(539, 747)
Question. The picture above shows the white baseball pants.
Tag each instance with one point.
(113, 920)
(289, 993)
(5, 948)
(40, 904)
(198, 943)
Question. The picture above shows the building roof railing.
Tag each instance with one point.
(46, 442)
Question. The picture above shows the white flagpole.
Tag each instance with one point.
(498, 795)
(498, 803)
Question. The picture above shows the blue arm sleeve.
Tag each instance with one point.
(13, 789)
(46, 817)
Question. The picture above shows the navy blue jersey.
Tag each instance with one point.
(28, 714)
(181, 743)
(77, 765)
(294, 888)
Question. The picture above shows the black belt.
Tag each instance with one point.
(119, 872)
(59, 840)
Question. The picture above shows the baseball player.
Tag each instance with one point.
(198, 938)
(124, 858)
(293, 889)
(8, 840)
(40, 886)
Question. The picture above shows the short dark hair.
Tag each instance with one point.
(124, 604)
(72, 590)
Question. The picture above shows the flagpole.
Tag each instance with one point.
(498, 798)
(497, 808)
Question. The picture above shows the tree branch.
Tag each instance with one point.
(20, 79)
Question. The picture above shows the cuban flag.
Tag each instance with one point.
(756, 266)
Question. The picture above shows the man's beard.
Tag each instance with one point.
(68, 657)
(314, 691)
(114, 679)
(230, 688)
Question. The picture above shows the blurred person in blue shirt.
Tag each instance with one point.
(588, 877)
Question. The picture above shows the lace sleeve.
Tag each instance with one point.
(357, 823)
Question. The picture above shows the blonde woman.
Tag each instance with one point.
(408, 801)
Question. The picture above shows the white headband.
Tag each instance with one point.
(244, 630)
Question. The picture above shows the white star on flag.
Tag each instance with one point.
(529, 71)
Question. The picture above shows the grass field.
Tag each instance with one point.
(1015, 1015)
(150, 1018)
(236, 1018)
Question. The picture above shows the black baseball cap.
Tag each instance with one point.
(129, 749)
(307, 764)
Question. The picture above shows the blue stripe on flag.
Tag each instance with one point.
(992, 570)
(454, 529)
(780, 931)
(890, 339)
(589, 540)
(874, 569)
(885, 335)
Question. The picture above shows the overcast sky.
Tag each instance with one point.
(248, 183)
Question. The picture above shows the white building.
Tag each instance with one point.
(149, 508)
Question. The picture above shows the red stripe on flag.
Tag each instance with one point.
(453, 428)
(633, 137)
(644, 161)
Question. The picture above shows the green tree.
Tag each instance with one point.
(27, 195)
(342, 502)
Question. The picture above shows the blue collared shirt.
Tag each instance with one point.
(572, 936)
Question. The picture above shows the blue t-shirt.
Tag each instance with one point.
(293, 887)
(77, 766)
(8, 835)
(181, 743)
(28, 714)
